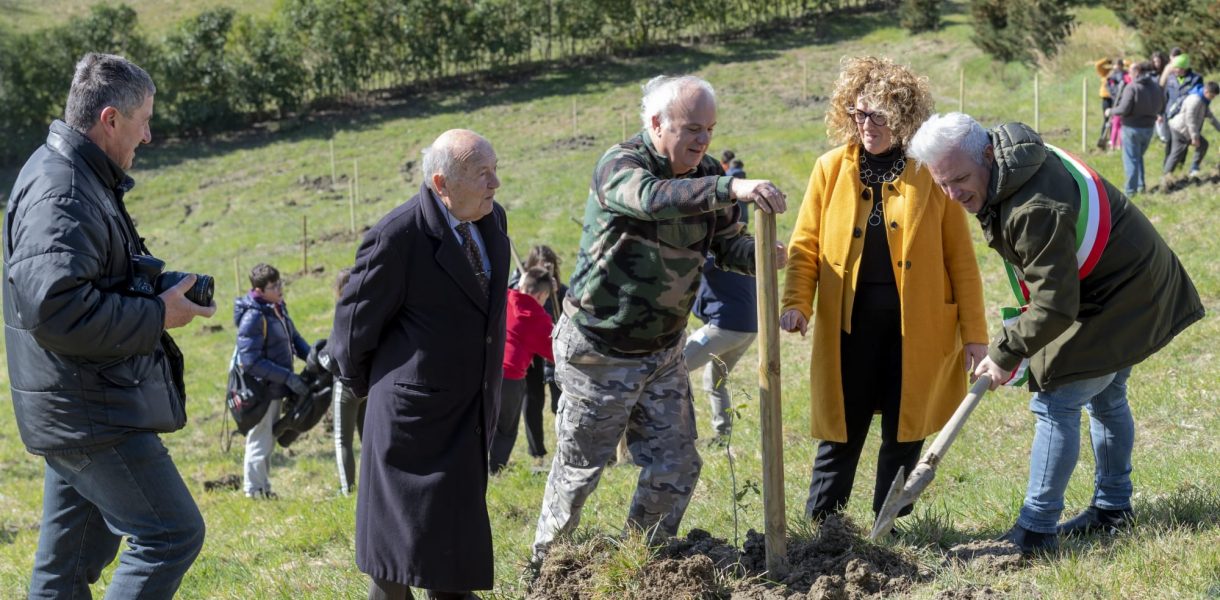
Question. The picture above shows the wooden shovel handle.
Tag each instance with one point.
(949, 432)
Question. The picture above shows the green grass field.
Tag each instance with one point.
(218, 206)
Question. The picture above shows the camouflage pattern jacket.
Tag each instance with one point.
(645, 238)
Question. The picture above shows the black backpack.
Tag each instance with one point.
(246, 395)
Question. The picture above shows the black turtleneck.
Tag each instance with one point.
(875, 285)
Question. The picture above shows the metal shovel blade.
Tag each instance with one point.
(905, 490)
(903, 493)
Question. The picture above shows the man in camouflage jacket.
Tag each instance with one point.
(658, 205)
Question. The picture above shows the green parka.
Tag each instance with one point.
(1136, 299)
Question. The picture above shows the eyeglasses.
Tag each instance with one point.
(861, 116)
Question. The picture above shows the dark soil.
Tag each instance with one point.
(573, 143)
(228, 482)
(970, 593)
(836, 563)
(988, 555)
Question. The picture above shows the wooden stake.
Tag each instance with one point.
(961, 91)
(1084, 114)
(304, 244)
(624, 127)
(351, 206)
(236, 277)
(1037, 115)
(573, 118)
(332, 163)
(769, 397)
(804, 81)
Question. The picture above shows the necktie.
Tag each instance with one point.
(473, 257)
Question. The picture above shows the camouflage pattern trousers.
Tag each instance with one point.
(649, 396)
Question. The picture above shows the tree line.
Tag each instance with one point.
(219, 70)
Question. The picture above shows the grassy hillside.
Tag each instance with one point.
(216, 205)
(156, 16)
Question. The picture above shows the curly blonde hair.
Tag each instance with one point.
(892, 89)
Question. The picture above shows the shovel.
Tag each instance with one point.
(904, 491)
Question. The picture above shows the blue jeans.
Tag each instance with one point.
(1056, 447)
(1135, 143)
(90, 501)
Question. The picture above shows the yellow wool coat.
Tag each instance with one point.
(938, 282)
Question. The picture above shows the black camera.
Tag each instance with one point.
(149, 278)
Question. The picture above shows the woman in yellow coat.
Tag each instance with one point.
(899, 317)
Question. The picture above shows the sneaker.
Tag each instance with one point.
(1194, 174)
(1031, 542)
(1097, 520)
(262, 495)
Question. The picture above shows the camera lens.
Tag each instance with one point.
(201, 293)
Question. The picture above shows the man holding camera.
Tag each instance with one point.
(94, 375)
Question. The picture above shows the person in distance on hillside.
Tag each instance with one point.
(95, 377)
(1138, 106)
(419, 329)
(657, 205)
(1093, 306)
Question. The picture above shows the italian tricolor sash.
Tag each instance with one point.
(1092, 234)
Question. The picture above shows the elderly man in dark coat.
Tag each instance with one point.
(419, 328)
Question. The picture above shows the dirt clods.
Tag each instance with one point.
(836, 563)
(988, 555)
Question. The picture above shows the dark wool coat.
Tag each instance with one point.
(1133, 302)
(89, 360)
(415, 333)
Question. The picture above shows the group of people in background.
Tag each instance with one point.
(1161, 97)
(433, 350)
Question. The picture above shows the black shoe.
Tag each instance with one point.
(1095, 520)
(1031, 542)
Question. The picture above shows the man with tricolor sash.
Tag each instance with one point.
(1097, 291)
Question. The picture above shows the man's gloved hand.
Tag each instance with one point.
(328, 363)
(297, 385)
(548, 372)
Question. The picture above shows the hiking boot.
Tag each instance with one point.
(1094, 520)
(1031, 542)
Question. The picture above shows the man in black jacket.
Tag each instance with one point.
(94, 376)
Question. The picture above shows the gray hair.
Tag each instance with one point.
(942, 134)
(445, 155)
(661, 91)
(103, 80)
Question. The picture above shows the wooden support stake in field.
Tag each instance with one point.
(304, 243)
(769, 397)
(1084, 114)
(236, 277)
(1037, 115)
(332, 163)
(961, 90)
(351, 202)
(804, 81)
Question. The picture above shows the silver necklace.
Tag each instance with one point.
(870, 177)
(878, 215)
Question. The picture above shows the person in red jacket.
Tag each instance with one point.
(528, 334)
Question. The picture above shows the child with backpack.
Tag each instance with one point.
(266, 342)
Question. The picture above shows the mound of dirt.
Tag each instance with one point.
(575, 142)
(579, 571)
(969, 593)
(837, 563)
(989, 555)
